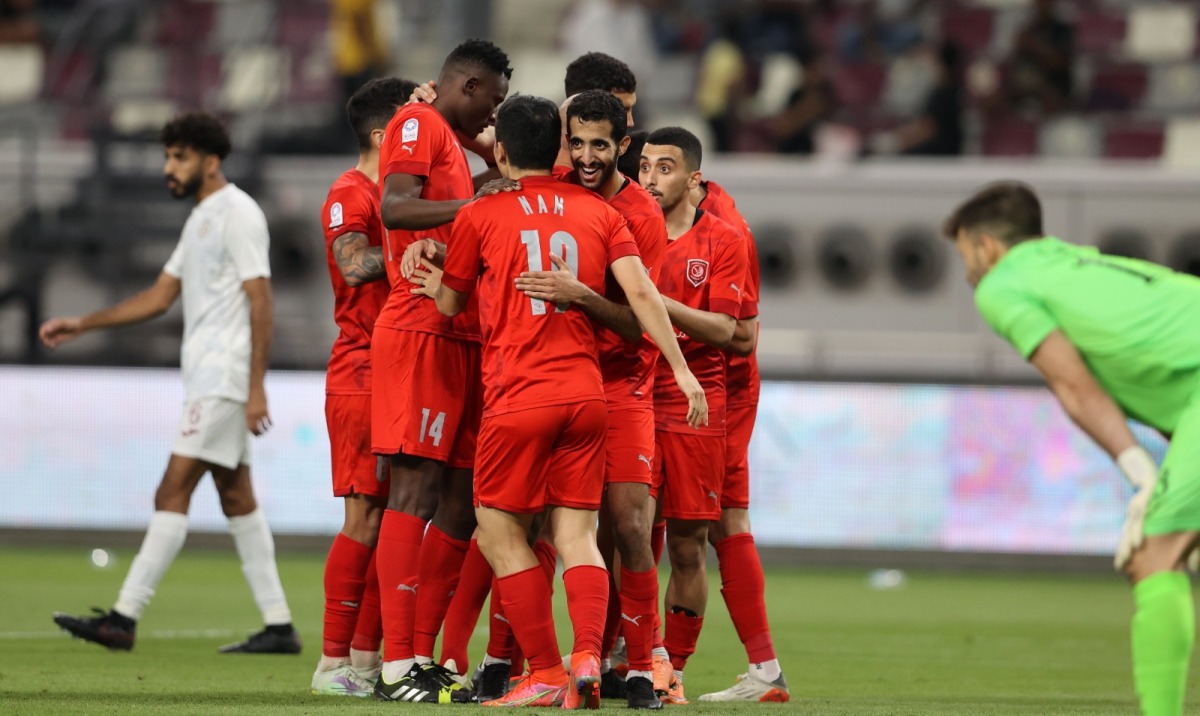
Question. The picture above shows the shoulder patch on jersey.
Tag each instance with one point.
(335, 215)
(697, 271)
(408, 133)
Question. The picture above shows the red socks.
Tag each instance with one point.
(638, 599)
(475, 581)
(547, 557)
(658, 539)
(368, 633)
(441, 565)
(399, 567)
(683, 632)
(587, 603)
(345, 575)
(526, 599)
(612, 620)
(500, 643)
(742, 585)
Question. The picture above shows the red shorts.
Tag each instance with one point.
(355, 470)
(688, 473)
(629, 453)
(739, 425)
(426, 396)
(542, 456)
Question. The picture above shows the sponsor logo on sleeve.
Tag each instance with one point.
(408, 133)
(335, 215)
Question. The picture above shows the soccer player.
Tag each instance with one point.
(1115, 338)
(349, 662)
(541, 444)
(220, 267)
(701, 280)
(425, 401)
(742, 583)
(598, 71)
(596, 138)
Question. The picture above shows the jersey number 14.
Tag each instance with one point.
(561, 243)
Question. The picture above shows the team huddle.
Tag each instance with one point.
(559, 366)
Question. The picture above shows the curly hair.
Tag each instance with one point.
(373, 104)
(482, 54)
(599, 106)
(598, 71)
(200, 131)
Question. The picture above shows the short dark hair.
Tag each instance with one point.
(630, 163)
(598, 106)
(685, 140)
(531, 130)
(479, 54)
(200, 131)
(598, 71)
(1008, 210)
(371, 107)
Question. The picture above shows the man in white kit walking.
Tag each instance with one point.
(220, 266)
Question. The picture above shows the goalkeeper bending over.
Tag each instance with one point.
(1115, 338)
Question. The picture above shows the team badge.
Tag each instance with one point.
(697, 271)
(335, 215)
(408, 133)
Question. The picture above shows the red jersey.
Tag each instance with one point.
(534, 354)
(741, 372)
(352, 206)
(703, 269)
(420, 142)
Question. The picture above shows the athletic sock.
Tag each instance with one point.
(547, 557)
(164, 538)
(526, 600)
(441, 565)
(345, 580)
(742, 586)
(587, 603)
(639, 594)
(398, 564)
(612, 621)
(474, 583)
(256, 548)
(368, 631)
(683, 631)
(500, 643)
(1163, 632)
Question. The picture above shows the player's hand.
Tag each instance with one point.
(559, 286)
(417, 250)
(258, 420)
(428, 279)
(483, 144)
(57, 331)
(496, 186)
(697, 404)
(425, 92)
(1140, 470)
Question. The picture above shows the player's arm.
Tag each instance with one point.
(258, 291)
(358, 261)
(647, 304)
(428, 282)
(403, 208)
(150, 303)
(714, 329)
(561, 287)
(745, 337)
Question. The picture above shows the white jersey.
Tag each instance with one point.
(224, 243)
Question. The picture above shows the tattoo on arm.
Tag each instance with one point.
(358, 261)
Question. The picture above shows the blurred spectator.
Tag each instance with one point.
(882, 28)
(620, 28)
(18, 21)
(811, 104)
(720, 83)
(777, 26)
(938, 131)
(359, 53)
(1041, 61)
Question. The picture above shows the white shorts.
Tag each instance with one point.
(214, 430)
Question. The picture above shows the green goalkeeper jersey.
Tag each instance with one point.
(1136, 324)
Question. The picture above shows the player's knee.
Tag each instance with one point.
(687, 552)
(732, 522)
(169, 498)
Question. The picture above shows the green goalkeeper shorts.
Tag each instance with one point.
(1175, 506)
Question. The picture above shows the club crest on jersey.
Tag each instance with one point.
(335, 215)
(697, 271)
(408, 133)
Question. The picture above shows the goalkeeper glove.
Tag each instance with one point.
(1141, 471)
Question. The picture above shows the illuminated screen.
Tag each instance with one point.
(832, 464)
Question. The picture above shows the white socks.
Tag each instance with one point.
(164, 538)
(768, 671)
(256, 548)
(393, 671)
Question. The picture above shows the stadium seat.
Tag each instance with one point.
(184, 22)
(254, 78)
(1134, 141)
(909, 81)
(303, 24)
(1160, 32)
(312, 79)
(21, 79)
(1099, 33)
(193, 77)
(1174, 87)
(859, 85)
(134, 72)
(1070, 137)
(243, 24)
(1010, 138)
(969, 27)
(1117, 87)
(510, 18)
(140, 115)
(1182, 146)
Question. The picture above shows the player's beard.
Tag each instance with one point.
(602, 178)
(185, 189)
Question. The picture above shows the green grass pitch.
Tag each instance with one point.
(942, 644)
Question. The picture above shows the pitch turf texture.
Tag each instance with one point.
(942, 644)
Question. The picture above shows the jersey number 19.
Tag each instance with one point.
(561, 243)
